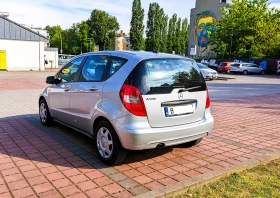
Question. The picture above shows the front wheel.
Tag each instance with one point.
(108, 144)
(44, 113)
(262, 72)
(245, 72)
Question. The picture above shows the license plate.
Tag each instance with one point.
(178, 110)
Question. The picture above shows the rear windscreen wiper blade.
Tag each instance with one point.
(188, 89)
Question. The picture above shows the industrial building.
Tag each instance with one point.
(23, 49)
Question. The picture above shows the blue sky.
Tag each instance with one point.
(40, 13)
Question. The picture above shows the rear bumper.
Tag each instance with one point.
(142, 136)
(223, 69)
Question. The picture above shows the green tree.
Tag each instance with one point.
(171, 38)
(72, 45)
(137, 26)
(163, 32)
(174, 38)
(178, 37)
(56, 35)
(248, 29)
(83, 32)
(185, 36)
(103, 28)
(153, 27)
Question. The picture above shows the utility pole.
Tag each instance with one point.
(60, 43)
(230, 43)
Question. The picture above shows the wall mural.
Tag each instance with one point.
(205, 27)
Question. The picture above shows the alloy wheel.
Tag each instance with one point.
(43, 112)
(104, 142)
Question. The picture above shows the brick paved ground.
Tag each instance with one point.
(38, 161)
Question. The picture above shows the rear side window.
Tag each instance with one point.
(235, 65)
(115, 64)
(223, 64)
(161, 76)
(247, 65)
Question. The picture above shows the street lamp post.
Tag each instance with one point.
(60, 43)
(230, 43)
(105, 40)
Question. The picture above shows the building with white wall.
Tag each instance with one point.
(20, 48)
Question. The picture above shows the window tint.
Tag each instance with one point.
(94, 68)
(161, 76)
(67, 74)
(235, 65)
(115, 64)
(223, 64)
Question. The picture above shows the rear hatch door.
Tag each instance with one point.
(173, 90)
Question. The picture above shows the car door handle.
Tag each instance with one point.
(67, 88)
(93, 88)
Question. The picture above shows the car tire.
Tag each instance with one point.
(193, 143)
(245, 72)
(228, 71)
(44, 113)
(108, 145)
(262, 72)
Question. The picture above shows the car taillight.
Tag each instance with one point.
(207, 99)
(132, 100)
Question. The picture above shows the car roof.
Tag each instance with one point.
(140, 54)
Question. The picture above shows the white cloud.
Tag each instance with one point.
(41, 13)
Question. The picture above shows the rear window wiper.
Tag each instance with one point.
(188, 89)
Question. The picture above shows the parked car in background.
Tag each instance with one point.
(129, 100)
(207, 72)
(246, 68)
(225, 67)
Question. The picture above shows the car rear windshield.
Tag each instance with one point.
(223, 64)
(161, 76)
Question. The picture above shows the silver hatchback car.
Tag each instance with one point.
(129, 100)
(246, 68)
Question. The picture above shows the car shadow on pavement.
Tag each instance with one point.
(24, 137)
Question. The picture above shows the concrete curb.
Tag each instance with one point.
(182, 186)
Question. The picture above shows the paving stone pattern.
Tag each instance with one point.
(38, 161)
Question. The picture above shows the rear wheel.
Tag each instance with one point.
(44, 113)
(108, 144)
(245, 72)
(193, 143)
(262, 72)
(228, 71)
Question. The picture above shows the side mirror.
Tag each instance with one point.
(50, 80)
